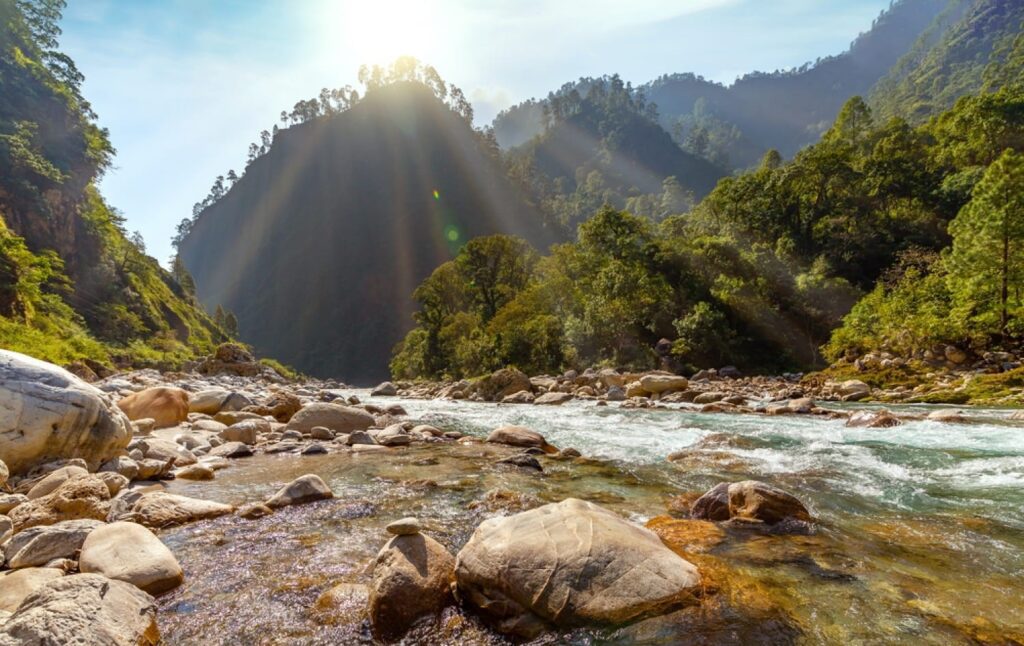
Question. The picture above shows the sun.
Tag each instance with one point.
(382, 30)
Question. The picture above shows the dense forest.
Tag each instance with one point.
(74, 283)
(928, 220)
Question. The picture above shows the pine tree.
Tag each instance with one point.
(219, 317)
(231, 325)
(987, 259)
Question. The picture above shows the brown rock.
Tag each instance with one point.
(165, 405)
(412, 577)
(81, 496)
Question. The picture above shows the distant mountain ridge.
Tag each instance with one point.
(318, 247)
(784, 111)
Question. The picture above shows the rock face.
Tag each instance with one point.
(164, 405)
(131, 553)
(411, 578)
(570, 563)
(85, 610)
(39, 545)
(308, 488)
(81, 496)
(340, 419)
(47, 413)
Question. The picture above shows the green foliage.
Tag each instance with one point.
(986, 262)
(972, 47)
(87, 287)
(285, 371)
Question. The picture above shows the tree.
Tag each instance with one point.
(231, 325)
(987, 257)
(496, 268)
(219, 316)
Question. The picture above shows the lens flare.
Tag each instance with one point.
(437, 194)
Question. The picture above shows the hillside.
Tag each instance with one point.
(318, 247)
(73, 283)
(969, 43)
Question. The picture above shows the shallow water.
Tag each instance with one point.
(920, 536)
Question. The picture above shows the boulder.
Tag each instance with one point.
(15, 585)
(162, 450)
(502, 383)
(321, 433)
(955, 355)
(165, 405)
(158, 509)
(386, 389)
(247, 431)
(53, 480)
(853, 390)
(81, 496)
(873, 419)
(755, 500)
(123, 465)
(552, 399)
(518, 436)
(307, 488)
(713, 505)
(195, 472)
(39, 545)
(570, 563)
(521, 397)
(84, 610)
(46, 413)
(208, 402)
(281, 406)
(231, 450)
(663, 382)
(412, 577)
(131, 553)
(611, 378)
(338, 418)
(5, 473)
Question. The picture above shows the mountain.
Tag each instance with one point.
(319, 245)
(970, 47)
(73, 283)
(733, 126)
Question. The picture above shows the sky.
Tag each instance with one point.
(184, 86)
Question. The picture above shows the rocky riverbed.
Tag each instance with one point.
(235, 508)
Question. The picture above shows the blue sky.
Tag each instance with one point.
(185, 85)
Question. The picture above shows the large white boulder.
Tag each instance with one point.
(85, 610)
(47, 413)
(568, 564)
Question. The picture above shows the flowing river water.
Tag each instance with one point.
(920, 533)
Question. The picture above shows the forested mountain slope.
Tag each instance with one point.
(319, 245)
(73, 284)
(970, 47)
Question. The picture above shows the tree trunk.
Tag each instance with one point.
(1005, 293)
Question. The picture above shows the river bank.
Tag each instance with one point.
(909, 521)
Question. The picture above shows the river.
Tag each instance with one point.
(920, 533)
